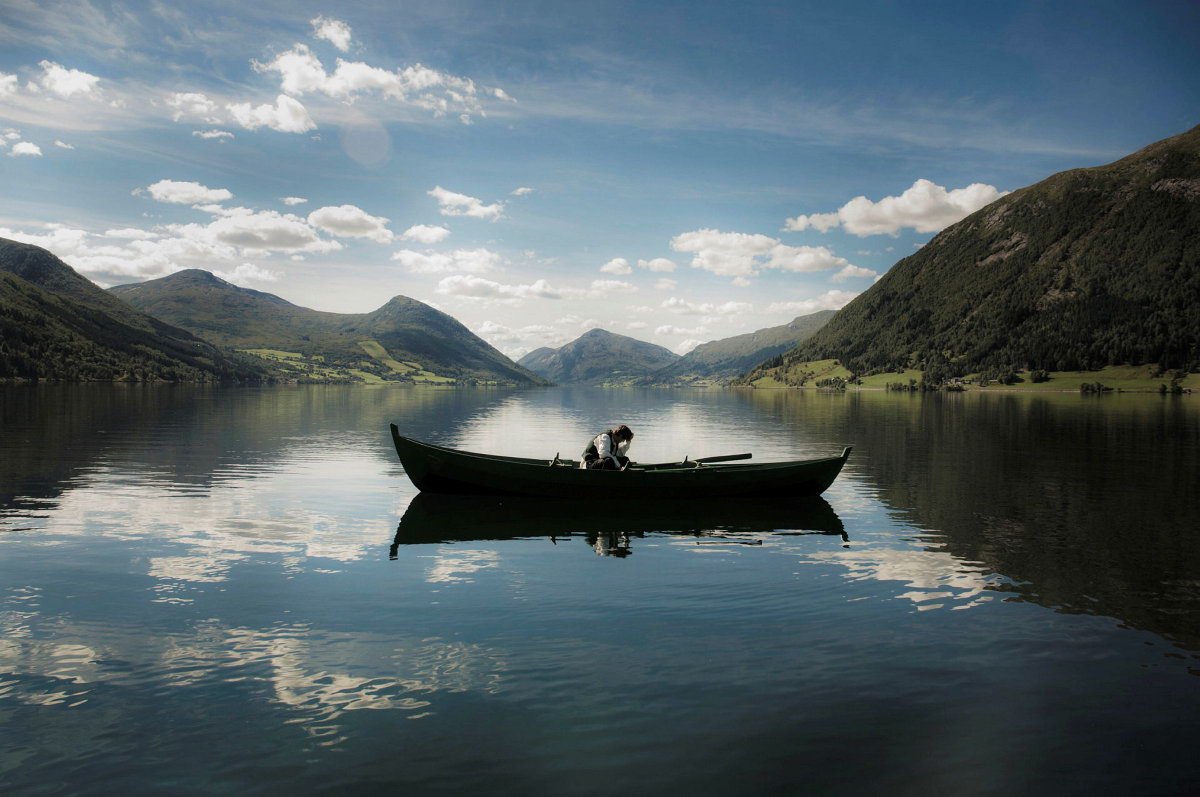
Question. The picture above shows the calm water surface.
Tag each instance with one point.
(212, 591)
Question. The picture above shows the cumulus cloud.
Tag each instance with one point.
(669, 329)
(657, 264)
(224, 245)
(686, 346)
(523, 190)
(63, 145)
(268, 230)
(635, 325)
(301, 72)
(924, 207)
(8, 84)
(286, 116)
(292, 200)
(213, 135)
(25, 148)
(830, 300)
(247, 273)
(603, 287)
(480, 289)
(472, 261)
(742, 255)
(684, 307)
(618, 265)
(426, 234)
(454, 204)
(64, 82)
(665, 284)
(193, 105)
(185, 193)
(351, 222)
(333, 31)
(853, 271)
(131, 233)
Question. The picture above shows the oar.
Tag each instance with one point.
(725, 458)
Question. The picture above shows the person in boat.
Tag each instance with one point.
(607, 450)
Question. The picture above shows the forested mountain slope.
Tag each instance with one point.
(599, 357)
(57, 324)
(1086, 268)
(405, 340)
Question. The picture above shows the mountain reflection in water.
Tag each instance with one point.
(432, 518)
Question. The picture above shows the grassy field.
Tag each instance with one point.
(295, 365)
(375, 349)
(1118, 377)
(1132, 378)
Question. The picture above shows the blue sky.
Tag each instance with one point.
(677, 172)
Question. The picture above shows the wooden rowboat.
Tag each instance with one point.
(445, 470)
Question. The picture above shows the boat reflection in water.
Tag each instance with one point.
(433, 518)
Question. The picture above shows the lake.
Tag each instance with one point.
(231, 590)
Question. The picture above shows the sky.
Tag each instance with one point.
(674, 171)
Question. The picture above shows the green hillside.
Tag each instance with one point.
(56, 324)
(1091, 267)
(599, 357)
(722, 360)
(404, 341)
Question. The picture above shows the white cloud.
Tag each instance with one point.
(741, 255)
(455, 204)
(8, 84)
(268, 230)
(218, 135)
(686, 346)
(351, 222)
(25, 148)
(853, 271)
(684, 307)
(185, 193)
(924, 207)
(472, 261)
(333, 31)
(292, 200)
(426, 234)
(301, 73)
(9, 134)
(478, 288)
(131, 233)
(635, 325)
(618, 265)
(65, 82)
(729, 254)
(286, 116)
(63, 144)
(657, 264)
(669, 329)
(193, 104)
(501, 95)
(830, 300)
(665, 284)
(247, 273)
(523, 190)
(821, 222)
(602, 287)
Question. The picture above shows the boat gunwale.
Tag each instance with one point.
(660, 467)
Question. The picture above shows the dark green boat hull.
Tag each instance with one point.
(444, 470)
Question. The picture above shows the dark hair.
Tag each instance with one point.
(622, 432)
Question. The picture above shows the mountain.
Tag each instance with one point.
(404, 340)
(57, 324)
(725, 359)
(1089, 267)
(599, 357)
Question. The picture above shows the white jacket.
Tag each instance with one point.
(604, 446)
